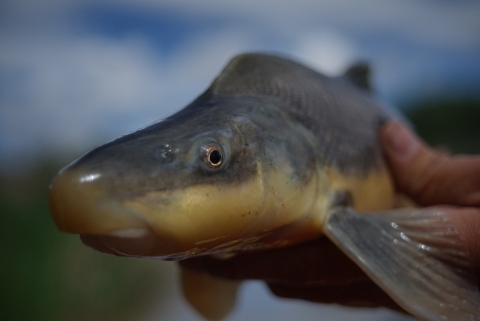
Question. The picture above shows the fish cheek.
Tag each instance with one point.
(205, 217)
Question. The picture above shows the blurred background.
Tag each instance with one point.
(74, 74)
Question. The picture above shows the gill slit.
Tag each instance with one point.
(262, 176)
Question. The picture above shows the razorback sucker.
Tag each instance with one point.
(259, 161)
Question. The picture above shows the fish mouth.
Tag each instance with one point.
(83, 203)
(138, 242)
(111, 218)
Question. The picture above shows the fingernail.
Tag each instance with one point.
(401, 141)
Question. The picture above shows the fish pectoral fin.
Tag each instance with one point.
(415, 255)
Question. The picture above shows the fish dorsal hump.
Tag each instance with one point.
(261, 74)
(342, 116)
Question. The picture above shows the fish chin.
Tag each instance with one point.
(131, 243)
(141, 243)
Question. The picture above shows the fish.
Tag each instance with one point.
(271, 155)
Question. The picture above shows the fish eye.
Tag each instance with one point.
(212, 155)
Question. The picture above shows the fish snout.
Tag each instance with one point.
(81, 203)
(89, 204)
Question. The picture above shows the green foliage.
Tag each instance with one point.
(454, 125)
(48, 275)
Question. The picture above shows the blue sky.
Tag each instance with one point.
(76, 73)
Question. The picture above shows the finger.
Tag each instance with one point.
(427, 176)
(318, 261)
(362, 294)
(467, 222)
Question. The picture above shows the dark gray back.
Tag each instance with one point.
(342, 115)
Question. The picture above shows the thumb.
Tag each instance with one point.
(428, 176)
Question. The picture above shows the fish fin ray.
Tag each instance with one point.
(415, 255)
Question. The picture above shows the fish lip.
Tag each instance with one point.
(130, 233)
(92, 241)
(82, 202)
(138, 242)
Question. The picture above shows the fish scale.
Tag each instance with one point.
(325, 106)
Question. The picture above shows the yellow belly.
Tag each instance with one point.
(370, 192)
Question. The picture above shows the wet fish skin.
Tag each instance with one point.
(257, 138)
(291, 142)
(268, 115)
(343, 116)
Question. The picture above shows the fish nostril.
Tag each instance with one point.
(164, 153)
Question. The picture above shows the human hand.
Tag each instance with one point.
(432, 178)
(317, 271)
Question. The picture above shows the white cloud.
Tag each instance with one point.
(70, 84)
(326, 50)
(433, 22)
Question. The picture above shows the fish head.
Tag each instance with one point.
(218, 177)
